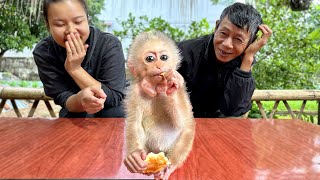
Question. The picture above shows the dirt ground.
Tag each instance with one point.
(41, 110)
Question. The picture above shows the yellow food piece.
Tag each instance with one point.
(156, 162)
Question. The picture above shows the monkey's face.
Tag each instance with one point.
(156, 57)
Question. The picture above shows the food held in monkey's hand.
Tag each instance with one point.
(156, 162)
(162, 74)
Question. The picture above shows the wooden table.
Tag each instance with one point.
(223, 149)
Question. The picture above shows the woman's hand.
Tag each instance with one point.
(92, 99)
(76, 51)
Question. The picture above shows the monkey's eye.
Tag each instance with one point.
(149, 58)
(164, 57)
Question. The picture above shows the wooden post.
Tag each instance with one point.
(318, 112)
(35, 94)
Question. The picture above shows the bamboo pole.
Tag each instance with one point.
(23, 93)
(278, 95)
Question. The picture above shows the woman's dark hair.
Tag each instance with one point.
(243, 16)
(47, 3)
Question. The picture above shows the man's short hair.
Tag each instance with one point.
(243, 16)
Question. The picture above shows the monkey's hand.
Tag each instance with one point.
(135, 161)
(154, 85)
(148, 88)
(165, 173)
(175, 81)
(167, 83)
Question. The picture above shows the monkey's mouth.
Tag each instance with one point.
(162, 74)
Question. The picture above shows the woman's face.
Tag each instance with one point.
(67, 17)
(229, 41)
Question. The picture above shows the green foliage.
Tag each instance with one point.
(133, 26)
(21, 83)
(290, 60)
(18, 31)
(15, 31)
(95, 7)
(214, 2)
(197, 29)
(315, 36)
(274, 3)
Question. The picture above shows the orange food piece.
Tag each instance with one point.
(156, 162)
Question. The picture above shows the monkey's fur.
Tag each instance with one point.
(158, 109)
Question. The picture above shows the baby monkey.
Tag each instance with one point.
(159, 112)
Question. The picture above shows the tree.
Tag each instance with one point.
(21, 24)
(296, 5)
(290, 60)
(95, 7)
(16, 32)
(134, 25)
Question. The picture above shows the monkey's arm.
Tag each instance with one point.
(136, 155)
(179, 152)
(134, 130)
(134, 134)
(183, 146)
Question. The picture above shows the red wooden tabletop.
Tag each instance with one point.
(223, 149)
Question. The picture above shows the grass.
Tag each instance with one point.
(310, 105)
(21, 83)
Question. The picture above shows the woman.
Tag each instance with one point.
(81, 68)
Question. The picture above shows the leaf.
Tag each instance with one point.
(315, 36)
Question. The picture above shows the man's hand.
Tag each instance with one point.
(253, 48)
(76, 51)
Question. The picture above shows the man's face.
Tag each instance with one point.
(229, 41)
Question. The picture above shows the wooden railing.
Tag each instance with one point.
(37, 94)
(287, 95)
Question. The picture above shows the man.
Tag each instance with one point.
(217, 67)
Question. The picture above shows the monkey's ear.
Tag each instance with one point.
(131, 68)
